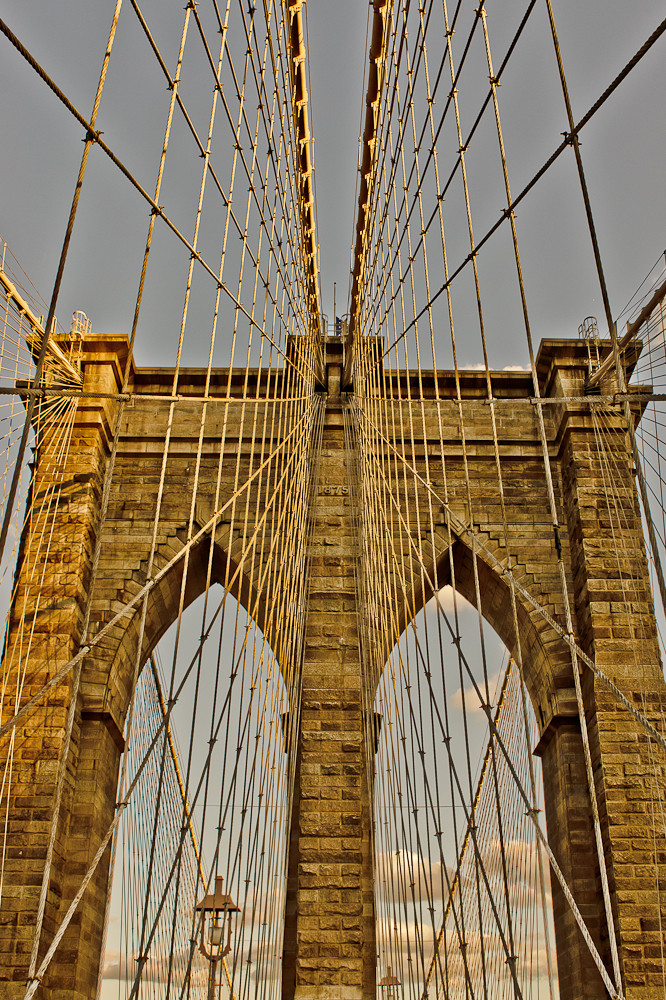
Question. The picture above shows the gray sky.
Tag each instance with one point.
(623, 150)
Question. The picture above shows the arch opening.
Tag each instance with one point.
(462, 886)
(546, 660)
(213, 797)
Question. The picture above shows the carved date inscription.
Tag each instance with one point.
(334, 491)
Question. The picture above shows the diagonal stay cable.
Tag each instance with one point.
(506, 213)
(33, 985)
(252, 612)
(147, 587)
(95, 137)
(531, 811)
(89, 139)
(226, 198)
(462, 529)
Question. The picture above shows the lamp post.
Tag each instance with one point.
(389, 985)
(215, 908)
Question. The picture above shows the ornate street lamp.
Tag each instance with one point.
(215, 908)
(389, 985)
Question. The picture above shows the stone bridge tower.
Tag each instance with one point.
(329, 949)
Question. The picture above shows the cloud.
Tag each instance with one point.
(522, 863)
(407, 934)
(470, 696)
(445, 599)
(264, 905)
(403, 874)
(156, 970)
(489, 946)
(252, 935)
(479, 366)
(410, 949)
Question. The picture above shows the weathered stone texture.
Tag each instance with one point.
(51, 599)
(329, 936)
(330, 932)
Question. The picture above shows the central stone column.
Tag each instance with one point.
(329, 948)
